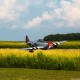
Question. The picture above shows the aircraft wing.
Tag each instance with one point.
(27, 48)
(40, 47)
(33, 48)
(30, 49)
(60, 42)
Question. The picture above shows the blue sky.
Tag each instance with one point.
(38, 18)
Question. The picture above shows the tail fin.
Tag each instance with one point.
(27, 39)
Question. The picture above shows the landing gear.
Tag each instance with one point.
(55, 45)
(31, 50)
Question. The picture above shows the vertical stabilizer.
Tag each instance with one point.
(27, 39)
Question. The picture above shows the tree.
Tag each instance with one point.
(60, 37)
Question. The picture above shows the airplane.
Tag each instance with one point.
(40, 44)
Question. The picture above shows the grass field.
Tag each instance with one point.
(37, 74)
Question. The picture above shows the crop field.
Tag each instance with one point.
(13, 44)
(65, 57)
(57, 59)
(18, 64)
(19, 45)
(70, 45)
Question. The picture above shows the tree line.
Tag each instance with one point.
(60, 37)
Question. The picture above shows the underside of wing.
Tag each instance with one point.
(27, 48)
(30, 49)
(40, 47)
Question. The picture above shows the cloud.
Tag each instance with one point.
(14, 13)
(34, 22)
(37, 2)
(5, 9)
(38, 20)
(10, 9)
(11, 12)
(76, 3)
(52, 4)
(66, 11)
(71, 12)
(47, 16)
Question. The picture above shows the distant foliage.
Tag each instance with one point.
(60, 37)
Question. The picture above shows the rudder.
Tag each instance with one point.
(27, 39)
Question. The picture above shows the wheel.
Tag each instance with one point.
(31, 50)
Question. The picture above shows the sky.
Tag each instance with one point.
(38, 18)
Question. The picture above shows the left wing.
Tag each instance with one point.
(34, 48)
(30, 49)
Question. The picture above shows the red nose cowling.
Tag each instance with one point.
(50, 45)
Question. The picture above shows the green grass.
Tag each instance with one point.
(37, 74)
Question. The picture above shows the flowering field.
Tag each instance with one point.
(57, 59)
(12, 44)
(65, 57)
(70, 45)
(19, 45)
(52, 53)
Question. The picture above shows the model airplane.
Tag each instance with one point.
(40, 44)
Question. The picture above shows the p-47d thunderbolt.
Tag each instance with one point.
(40, 44)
